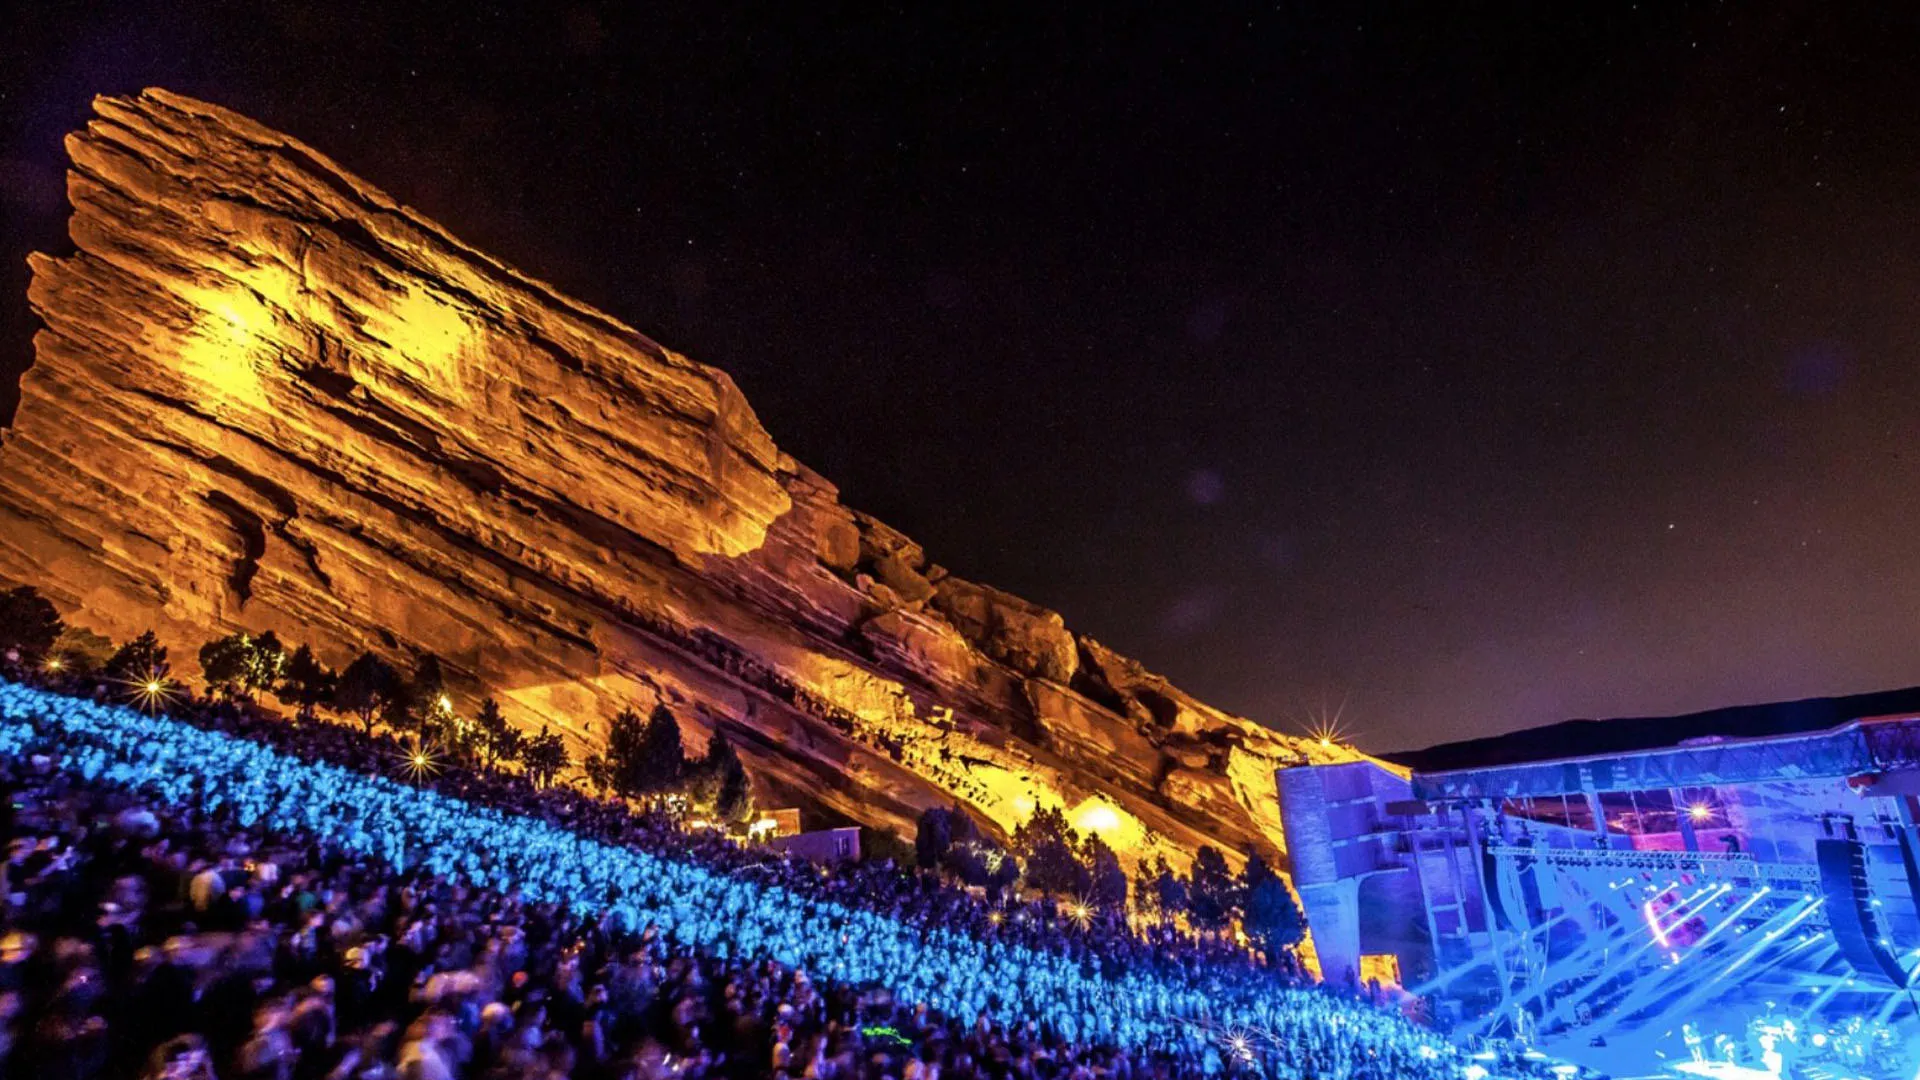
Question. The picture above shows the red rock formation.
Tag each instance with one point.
(267, 396)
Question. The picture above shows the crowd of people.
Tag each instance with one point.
(217, 893)
(878, 885)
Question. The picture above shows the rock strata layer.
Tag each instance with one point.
(268, 396)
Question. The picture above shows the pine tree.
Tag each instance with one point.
(545, 757)
(626, 754)
(969, 857)
(1269, 913)
(701, 785)
(964, 830)
(663, 759)
(1002, 870)
(932, 837)
(711, 780)
(1107, 888)
(734, 802)
(1210, 890)
(366, 689)
(419, 702)
(1046, 844)
(306, 683)
(968, 864)
(428, 687)
(599, 772)
(240, 665)
(513, 746)
(495, 735)
(460, 737)
(225, 662)
(29, 625)
(1146, 899)
(80, 652)
(266, 663)
(141, 660)
(1170, 893)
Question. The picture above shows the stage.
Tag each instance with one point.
(1731, 894)
(1809, 1055)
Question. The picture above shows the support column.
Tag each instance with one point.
(1599, 818)
(1476, 845)
(1680, 812)
(1416, 837)
(1333, 910)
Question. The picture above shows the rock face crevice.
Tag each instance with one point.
(267, 396)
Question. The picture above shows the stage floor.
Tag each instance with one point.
(1720, 1070)
(1652, 1058)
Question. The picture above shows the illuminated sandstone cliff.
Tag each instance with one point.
(267, 396)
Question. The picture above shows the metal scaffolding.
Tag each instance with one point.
(1711, 865)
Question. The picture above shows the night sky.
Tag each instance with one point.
(1474, 369)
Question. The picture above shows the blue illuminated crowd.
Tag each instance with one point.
(214, 893)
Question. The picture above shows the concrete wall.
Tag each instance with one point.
(1359, 895)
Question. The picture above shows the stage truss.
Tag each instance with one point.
(1661, 945)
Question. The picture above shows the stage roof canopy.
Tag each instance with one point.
(1817, 737)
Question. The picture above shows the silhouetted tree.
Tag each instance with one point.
(1268, 912)
(972, 858)
(1169, 891)
(733, 802)
(460, 736)
(1002, 870)
(419, 702)
(140, 660)
(964, 830)
(306, 683)
(701, 784)
(428, 684)
(29, 625)
(717, 783)
(967, 856)
(266, 665)
(967, 863)
(499, 741)
(1210, 891)
(366, 689)
(545, 757)
(884, 846)
(599, 772)
(513, 747)
(1146, 902)
(1046, 845)
(1107, 880)
(626, 754)
(932, 837)
(241, 665)
(224, 662)
(79, 651)
(663, 758)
